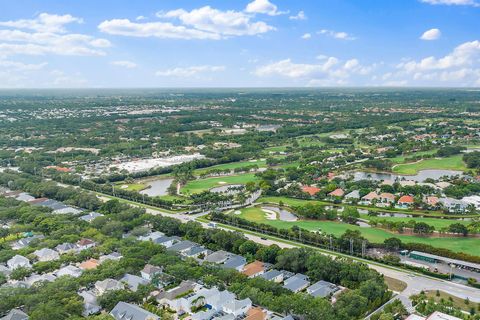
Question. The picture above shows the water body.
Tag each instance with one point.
(283, 214)
(157, 187)
(421, 176)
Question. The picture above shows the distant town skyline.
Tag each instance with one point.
(252, 43)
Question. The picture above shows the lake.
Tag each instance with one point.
(421, 176)
(157, 187)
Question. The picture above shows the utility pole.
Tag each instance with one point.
(364, 247)
(331, 246)
(351, 246)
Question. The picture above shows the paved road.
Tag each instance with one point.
(415, 282)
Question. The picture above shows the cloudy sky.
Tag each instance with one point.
(239, 43)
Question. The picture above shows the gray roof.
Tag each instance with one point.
(234, 262)
(448, 260)
(16, 314)
(297, 282)
(164, 239)
(270, 275)
(66, 246)
(128, 311)
(133, 281)
(322, 289)
(194, 251)
(92, 215)
(182, 246)
(218, 257)
(354, 194)
(52, 204)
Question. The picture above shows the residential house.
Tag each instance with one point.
(69, 270)
(18, 261)
(16, 314)
(311, 190)
(195, 252)
(171, 294)
(89, 264)
(90, 303)
(387, 198)
(322, 289)
(167, 242)
(296, 283)
(128, 311)
(235, 262)
(108, 285)
(115, 256)
(91, 216)
(133, 281)
(237, 307)
(353, 196)
(85, 243)
(273, 275)
(407, 183)
(369, 198)
(46, 254)
(254, 269)
(182, 246)
(405, 202)
(66, 247)
(453, 205)
(337, 193)
(25, 242)
(432, 201)
(67, 210)
(48, 277)
(149, 271)
(152, 236)
(218, 257)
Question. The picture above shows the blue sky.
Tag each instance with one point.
(252, 43)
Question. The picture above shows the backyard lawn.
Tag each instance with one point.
(450, 163)
(197, 186)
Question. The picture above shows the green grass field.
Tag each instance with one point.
(467, 245)
(437, 223)
(401, 159)
(231, 166)
(197, 186)
(450, 163)
(132, 186)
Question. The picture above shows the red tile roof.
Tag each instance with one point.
(337, 193)
(310, 190)
(405, 199)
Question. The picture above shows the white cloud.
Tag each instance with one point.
(226, 23)
(44, 22)
(63, 80)
(202, 23)
(49, 37)
(337, 34)
(139, 18)
(124, 64)
(452, 2)
(463, 55)
(165, 30)
(263, 6)
(20, 66)
(328, 71)
(432, 34)
(299, 16)
(185, 72)
(307, 36)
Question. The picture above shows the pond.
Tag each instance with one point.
(283, 214)
(421, 176)
(157, 187)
